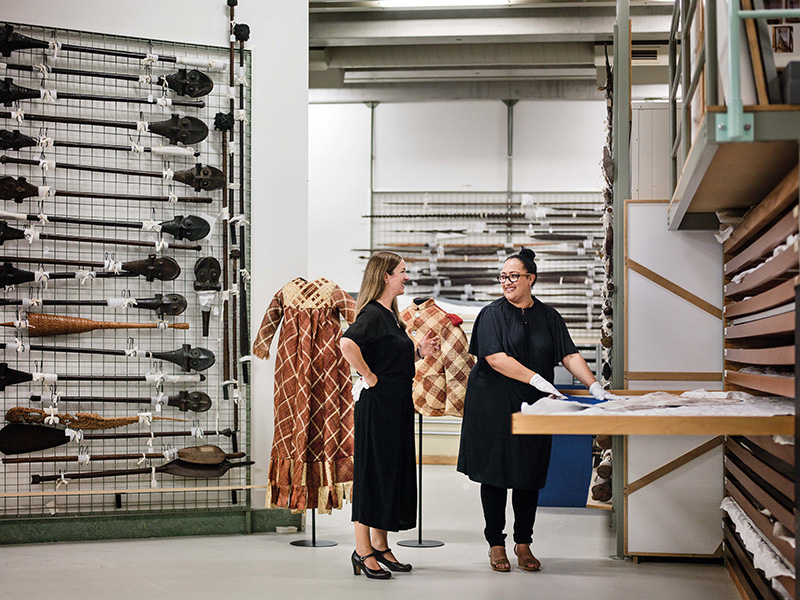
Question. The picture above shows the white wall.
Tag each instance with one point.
(279, 44)
(558, 146)
(338, 191)
(440, 146)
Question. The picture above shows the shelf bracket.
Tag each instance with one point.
(734, 126)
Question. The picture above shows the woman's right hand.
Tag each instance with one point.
(371, 379)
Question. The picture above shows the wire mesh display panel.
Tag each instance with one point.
(454, 245)
(127, 184)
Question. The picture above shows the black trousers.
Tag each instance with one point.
(524, 503)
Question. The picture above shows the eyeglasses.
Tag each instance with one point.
(513, 277)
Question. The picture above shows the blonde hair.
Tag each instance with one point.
(373, 284)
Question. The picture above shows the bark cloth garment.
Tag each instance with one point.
(489, 453)
(441, 379)
(311, 465)
(384, 483)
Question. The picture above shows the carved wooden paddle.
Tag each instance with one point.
(175, 467)
(207, 454)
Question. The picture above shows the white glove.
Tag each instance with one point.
(358, 387)
(541, 384)
(599, 393)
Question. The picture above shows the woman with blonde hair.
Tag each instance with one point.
(384, 484)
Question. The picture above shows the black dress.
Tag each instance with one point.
(384, 483)
(489, 453)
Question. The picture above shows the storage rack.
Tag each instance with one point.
(725, 164)
(176, 501)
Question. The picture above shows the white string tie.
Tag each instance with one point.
(84, 276)
(145, 79)
(143, 126)
(162, 325)
(62, 481)
(241, 75)
(156, 378)
(43, 70)
(170, 454)
(21, 324)
(31, 234)
(54, 46)
(48, 95)
(143, 459)
(31, 302)
(19, 347)
(42, 277)
(162, 245)
(241, 115)
(153, 482)
(132, 352)
(18, 114)
(151, 226)
(167, 174)
(43, 141)
(46, 378)
(233, 186)
(149, 60)
(55, 398)
(231, 94)
(74, 435)
(150, 440)
(45, 191)
(240, 219)
(197, 432)
(83, 459)
(163, 102)
(112, 265)
(245, 274)
(45, 165)
(7, 289)
(224, 214)
(246, 359)
(145, 418)
(172, 198)
(158, 401)
(136, 148)
(43, 220)
(127, 303)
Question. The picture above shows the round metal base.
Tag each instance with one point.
(420, 543)
(314, 543)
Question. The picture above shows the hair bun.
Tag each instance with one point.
(527, 252)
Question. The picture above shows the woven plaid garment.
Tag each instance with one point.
(440, 383)
(311, 464)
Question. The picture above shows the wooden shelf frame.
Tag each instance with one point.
(577, 424)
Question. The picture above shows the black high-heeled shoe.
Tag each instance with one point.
(359, 564)
(393, 566)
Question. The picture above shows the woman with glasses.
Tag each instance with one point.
(518, 341)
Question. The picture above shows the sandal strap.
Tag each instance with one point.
(381, 552)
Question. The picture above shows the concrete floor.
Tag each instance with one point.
(573, 545)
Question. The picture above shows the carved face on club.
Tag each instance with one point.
(16, 189)
(192, 83)
(207, 271)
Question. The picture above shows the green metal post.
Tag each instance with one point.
(621, 150)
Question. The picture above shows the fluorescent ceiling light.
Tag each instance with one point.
(439, 3)
(430, 75)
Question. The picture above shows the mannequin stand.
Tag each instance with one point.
(314, 542)
(419, 542)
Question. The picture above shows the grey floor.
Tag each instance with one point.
(573, 545)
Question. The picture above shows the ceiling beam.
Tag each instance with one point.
(592, 24)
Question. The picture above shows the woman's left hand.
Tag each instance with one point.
(429, 344)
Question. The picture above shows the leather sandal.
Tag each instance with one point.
(527, 560)
(499, 563)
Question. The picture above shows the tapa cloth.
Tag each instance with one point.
(311, 464)
(440, 382)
